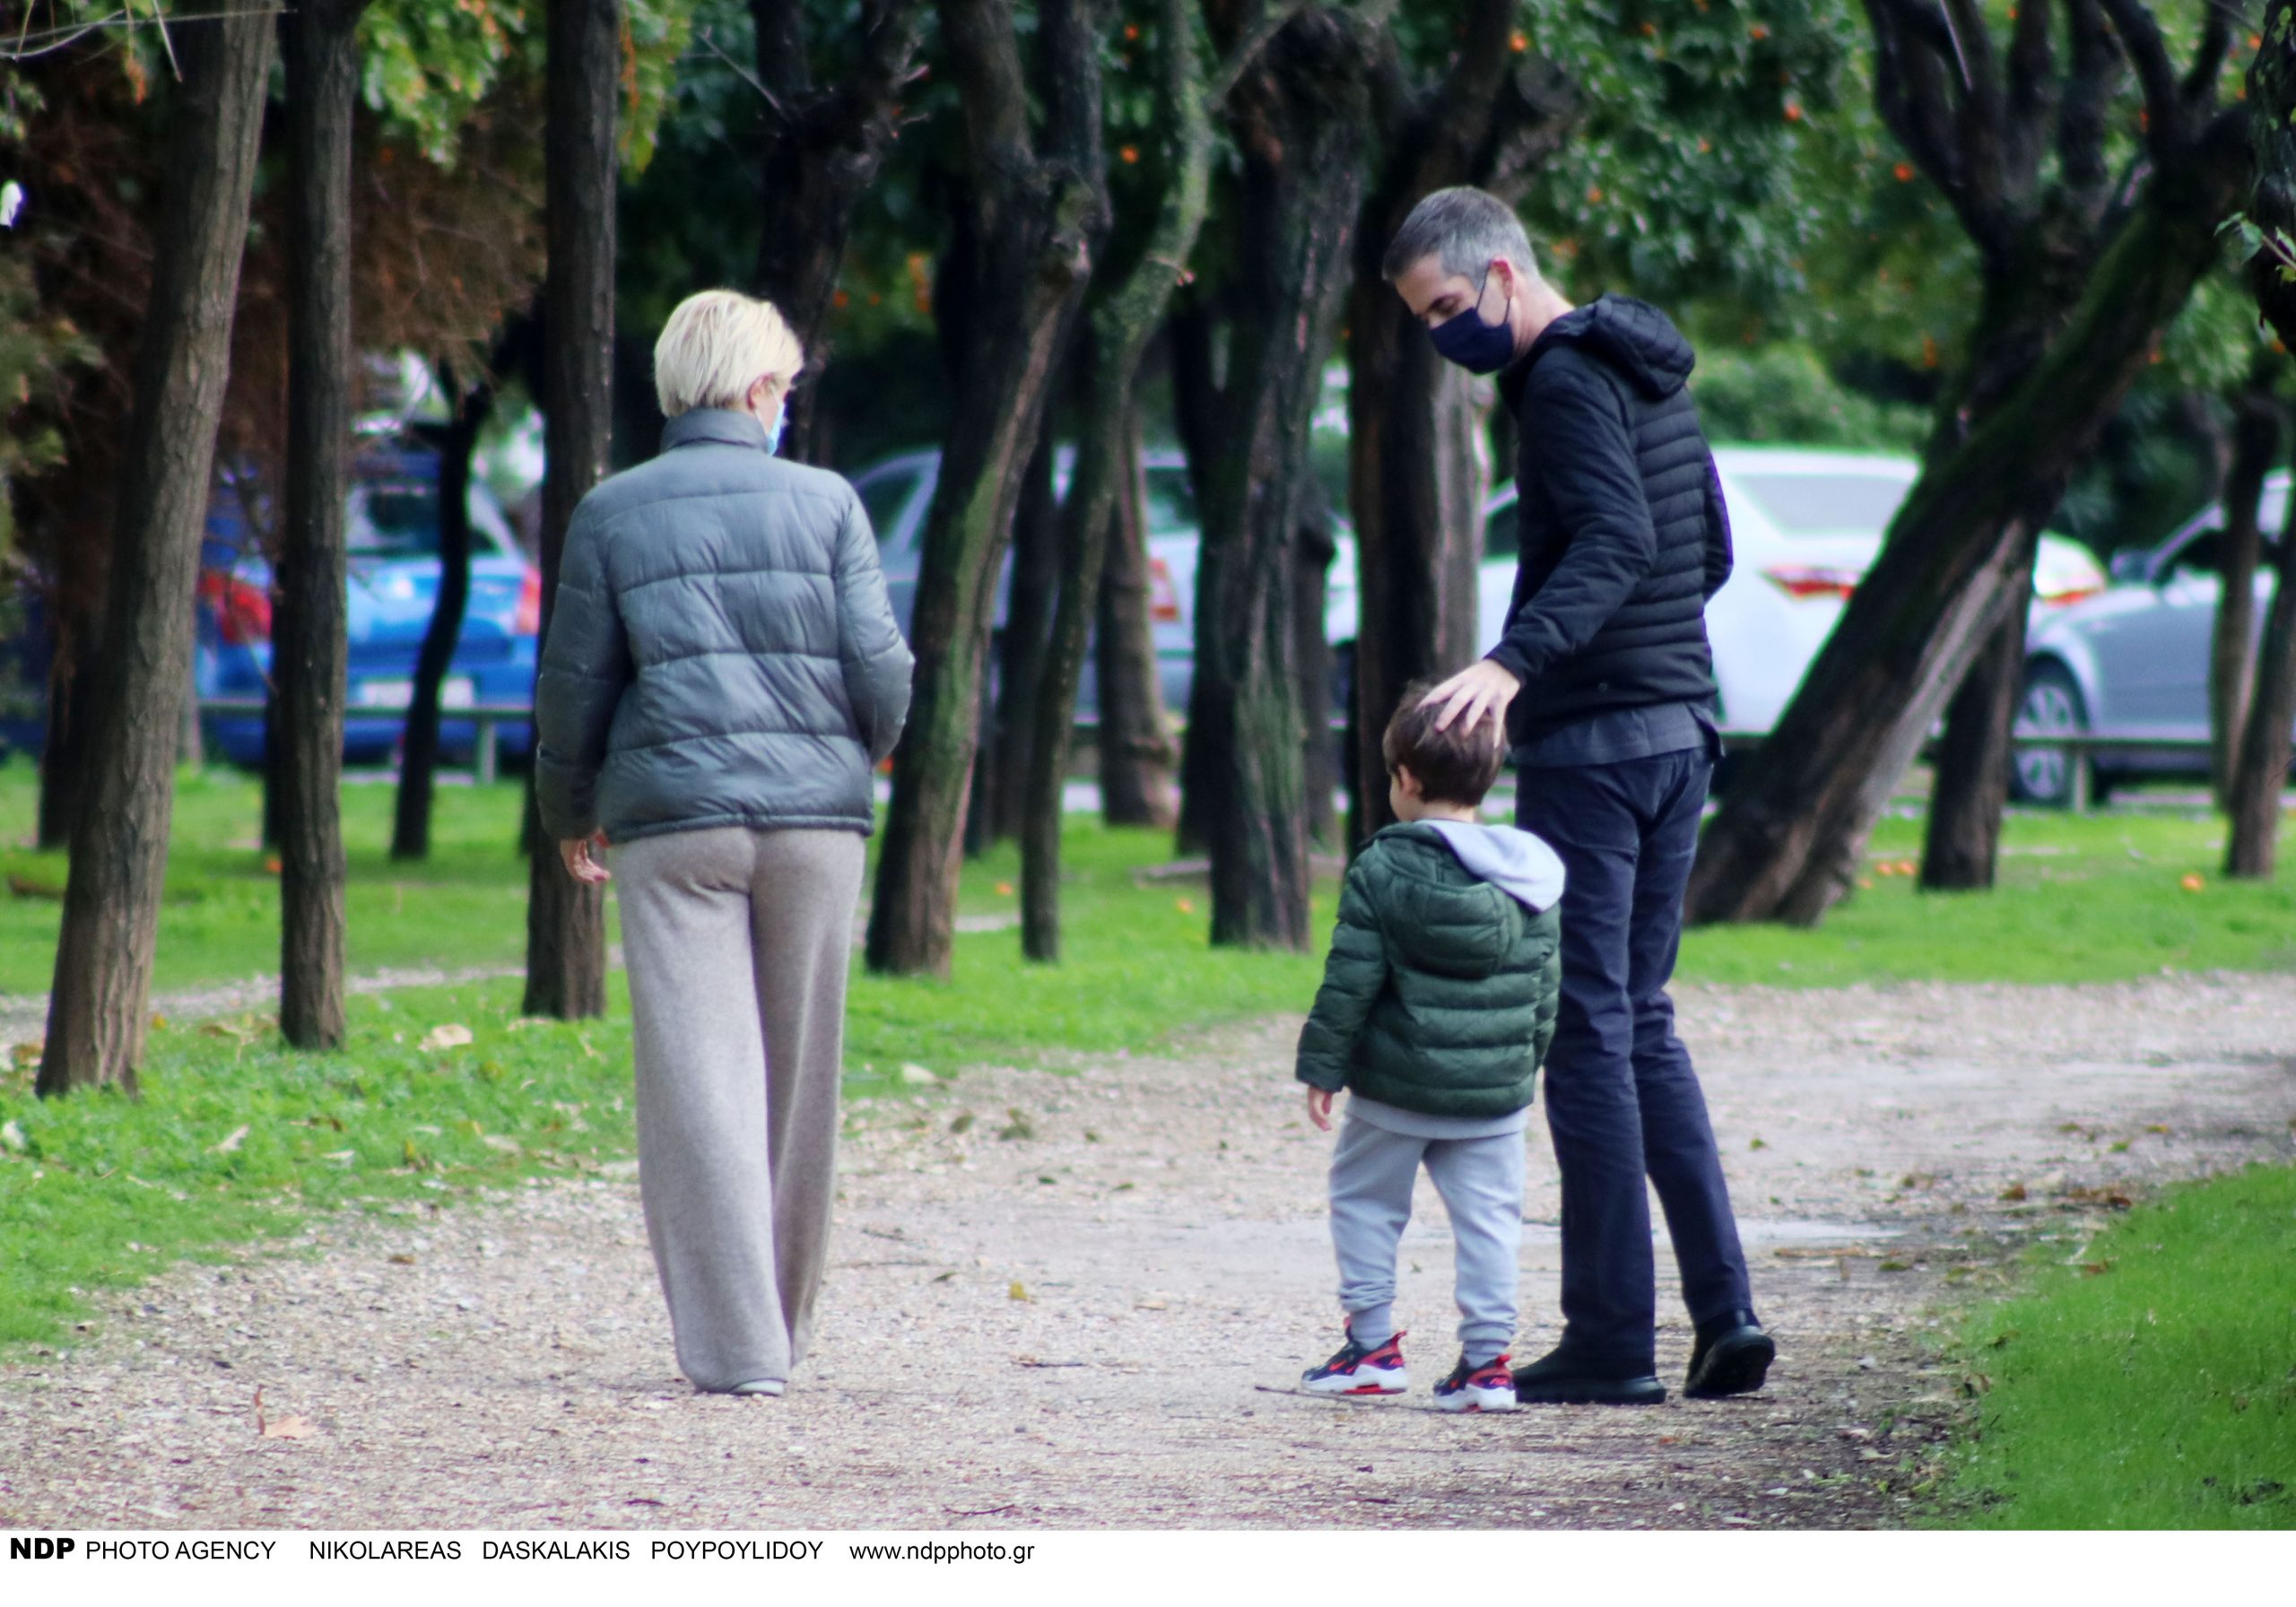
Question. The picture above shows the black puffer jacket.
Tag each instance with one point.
(1623, 534)
(721, 651)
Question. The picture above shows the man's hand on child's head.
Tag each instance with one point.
(1320, 1109)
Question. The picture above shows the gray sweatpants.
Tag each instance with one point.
(737, 943)
(1481, 1179)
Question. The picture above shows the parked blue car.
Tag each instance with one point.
(393, 531)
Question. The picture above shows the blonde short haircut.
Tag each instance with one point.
(716, 345)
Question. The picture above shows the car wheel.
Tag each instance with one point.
(2051, 705)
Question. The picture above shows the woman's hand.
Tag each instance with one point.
(580, 854)
(1320, 1109)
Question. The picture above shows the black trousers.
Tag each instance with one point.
(1622, 1101)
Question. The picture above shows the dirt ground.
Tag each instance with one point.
(1070, 1312)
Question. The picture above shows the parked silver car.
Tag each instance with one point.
(897, 494)
(2134, 660)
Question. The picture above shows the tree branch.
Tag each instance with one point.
(985, 59)
(2148, 53)
(2033, 89)
(2208, 60)
(2090, 88)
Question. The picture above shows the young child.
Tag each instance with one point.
(1437, 1007)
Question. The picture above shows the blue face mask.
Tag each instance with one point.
(1478, 347)
(773, 435)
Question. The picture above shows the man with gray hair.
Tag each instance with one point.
(1606, 682)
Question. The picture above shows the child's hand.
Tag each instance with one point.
(1320, 1109)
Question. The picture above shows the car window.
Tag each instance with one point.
(399, 518)
(1171, 501)
(883, 497)
(1825, 504)
(1499, 536)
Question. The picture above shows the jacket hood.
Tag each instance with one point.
(1632, 336)
(1517, 864)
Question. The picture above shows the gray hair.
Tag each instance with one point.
(1465, 227)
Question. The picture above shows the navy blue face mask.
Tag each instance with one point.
(1478, 347)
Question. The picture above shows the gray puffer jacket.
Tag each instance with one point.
(721, 652)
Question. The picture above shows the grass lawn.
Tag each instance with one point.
(2151, 1386)
(2095, 899)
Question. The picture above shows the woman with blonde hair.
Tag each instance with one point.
(722, 673)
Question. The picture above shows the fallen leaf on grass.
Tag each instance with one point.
(402, 1260)
(2014, 1193)
(446, 1034)
(917, 1076)
(238, 1135)
(12, 1136)
(2092, 1268)
(1019, 1291)
(289, 1428)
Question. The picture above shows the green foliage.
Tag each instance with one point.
(2145, 1385)
(426, 64)
(1783, 393)
(1683, 180)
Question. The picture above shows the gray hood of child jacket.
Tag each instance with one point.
(1515, 862)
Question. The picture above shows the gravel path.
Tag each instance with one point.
(1063, 1313)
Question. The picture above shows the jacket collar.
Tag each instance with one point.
(719, 426)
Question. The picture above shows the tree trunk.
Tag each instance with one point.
(99, 1008)
(1311, 660)
(1033, 220)
(1961, 837)
(1418, 479)
(1419, 469)
(63, 754)
(1028, 628)
(1135, 737)
(417, 764)
(1300, 112)
(1106, 465)
(2232, 644)
(566, 959)
(2262, 773)
(1785, 840)
(821, 153)
(309, 638)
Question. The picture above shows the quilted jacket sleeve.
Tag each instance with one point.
(1550, 988)
(1587, 465)
(585, 666)
(876, 661)
(1719, 555)
(1354, 975)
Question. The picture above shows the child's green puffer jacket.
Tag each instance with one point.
(1441, 991)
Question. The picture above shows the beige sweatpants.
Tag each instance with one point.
(737, 943)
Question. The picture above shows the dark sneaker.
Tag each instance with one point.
(1732, 1357)
(1356, 1371)
(1490, 1387)
(1560, 1379)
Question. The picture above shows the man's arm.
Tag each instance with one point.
(585, 668)
(1587, 465)
(1354, 975)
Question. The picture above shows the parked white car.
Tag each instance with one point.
(1806, 526)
